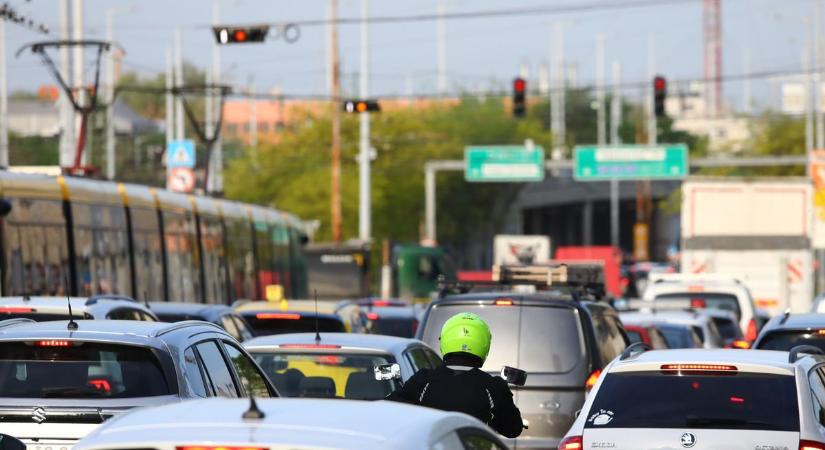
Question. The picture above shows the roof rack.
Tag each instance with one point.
(184, 324)
(14, 322)
(566, 274)
(638, 347)
(96, 298)
(793, 355)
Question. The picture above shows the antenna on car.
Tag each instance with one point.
(253, 412)
(317, 328)
(146, 300)
(72, 325)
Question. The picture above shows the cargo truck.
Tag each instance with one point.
(756, 230)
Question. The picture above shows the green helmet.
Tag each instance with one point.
(466, 332)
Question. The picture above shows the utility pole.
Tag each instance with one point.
(600, 109)
(817, 75)
(110, 97)
(180, 120)
(557, 105)
(216, 164)
(253, 119)
(4, 101)
(364, 182)
(65, 104)
(78, 66)
(170, 100)
(747, 98)
(544, 80)
(651, 72)
(442, 49)
(809, 115)
(335, 188)
(615, 140)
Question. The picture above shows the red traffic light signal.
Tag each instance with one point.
(519, 97)
(519, 85)
(359, 106)
(240, 35)
(659, 95)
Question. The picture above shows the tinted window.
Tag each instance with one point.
(435, 360)
(251, 379)
(21, 313)
(786, 340)
(394, 326)
(634, 336)
(728, 329)
(817, 393)
(69, 369)
(699, 300)
(720, 401)
(216, 370)
(418, 359)
(243, 329)
(327, 375)
(125, 314)
(177, 317)
(277, 323)
(678, 336)
(558, 326)
(192, 373)
(609, 338)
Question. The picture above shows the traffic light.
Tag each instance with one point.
(659, 95)
(359, 106)
(240, 35)
(519, 97)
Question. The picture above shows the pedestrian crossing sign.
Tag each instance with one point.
(181, 153)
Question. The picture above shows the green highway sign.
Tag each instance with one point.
(630, 162)
(504, 163)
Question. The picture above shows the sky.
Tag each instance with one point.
(482, 53)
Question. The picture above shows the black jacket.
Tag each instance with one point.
(466, 389)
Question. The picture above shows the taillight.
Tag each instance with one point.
(591, 380)
(281, 316)
(571, 443)
(697, 368)
(741, 344)
(15, 310)
(698, 303)
(504, 302)
(101, 384)
(750, 334)
(53, 343)
(811, 445)
(372, 316)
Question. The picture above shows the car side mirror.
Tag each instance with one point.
(387, 372)
(10, 443)
(514, 376)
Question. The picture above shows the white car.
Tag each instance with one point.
(681, 291)
(705, 399)
(289, 424)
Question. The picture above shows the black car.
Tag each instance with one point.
(789, 330)
(401, 321)
(563, 344)
(221, 315)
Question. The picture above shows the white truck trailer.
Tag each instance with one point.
(758, 230)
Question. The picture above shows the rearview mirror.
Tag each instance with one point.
(10, 443)
(385, 372)
(514, 376)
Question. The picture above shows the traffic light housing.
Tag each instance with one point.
(359, 106)
(659, 95)
(519, 97)
(240, 35)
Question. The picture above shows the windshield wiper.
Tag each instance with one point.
(70, 392)
(710, 422)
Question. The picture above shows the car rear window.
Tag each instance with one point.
(326, 375)
(677, 336)
(266, 324)
(13, 312)
(536, 339)
(728, 329)
(700, 300)
(74, 369)
(786, 340)
(633, 336)
(717, 400)
(394, 326)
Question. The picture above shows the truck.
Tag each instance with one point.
(756, 230)
(610, 258)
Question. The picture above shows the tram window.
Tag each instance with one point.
(241, 259)
(266, 263)
(280, 248)
(298, 265)
(148, 253)
(183, 277)
(101, 248)
(213, 260)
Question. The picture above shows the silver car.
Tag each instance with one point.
(705, 399)
(339, 365)
(98, 307)
(61, 379)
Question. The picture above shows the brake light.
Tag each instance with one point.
(504, 302)
(591, 380)
(53, 343)
(696, 289)
(735, 399)
(698, 303)
(15, 309)
(281, 316)
(750, 334)
(101, 384)
(372, 316)
(739, 343)
(219, 447)
(381, 303)
(571, 443)
(312, 346)
(811, 445)
(698, 368)
(820, 332)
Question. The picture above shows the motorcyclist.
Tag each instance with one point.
(460, 385)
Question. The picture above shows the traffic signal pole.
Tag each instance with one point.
(364, 182)
(335, 178)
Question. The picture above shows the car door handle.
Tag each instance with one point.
(550, 405)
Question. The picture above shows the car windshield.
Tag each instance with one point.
(73, 369)
(677, 336)
(266, 324)
(326, 375)
(786, 340)
(523, 339)
(700, 300)
(720, 400)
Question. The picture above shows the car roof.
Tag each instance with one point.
(303, 306)
(668, 316)
(710, 286)
(209, 311)
(305, 423)
(798, 322)
(761, 361)
(123, 331)
(60, 304)
(388, 344)
(395, 312)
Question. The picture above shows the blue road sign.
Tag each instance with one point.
(181, 154)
